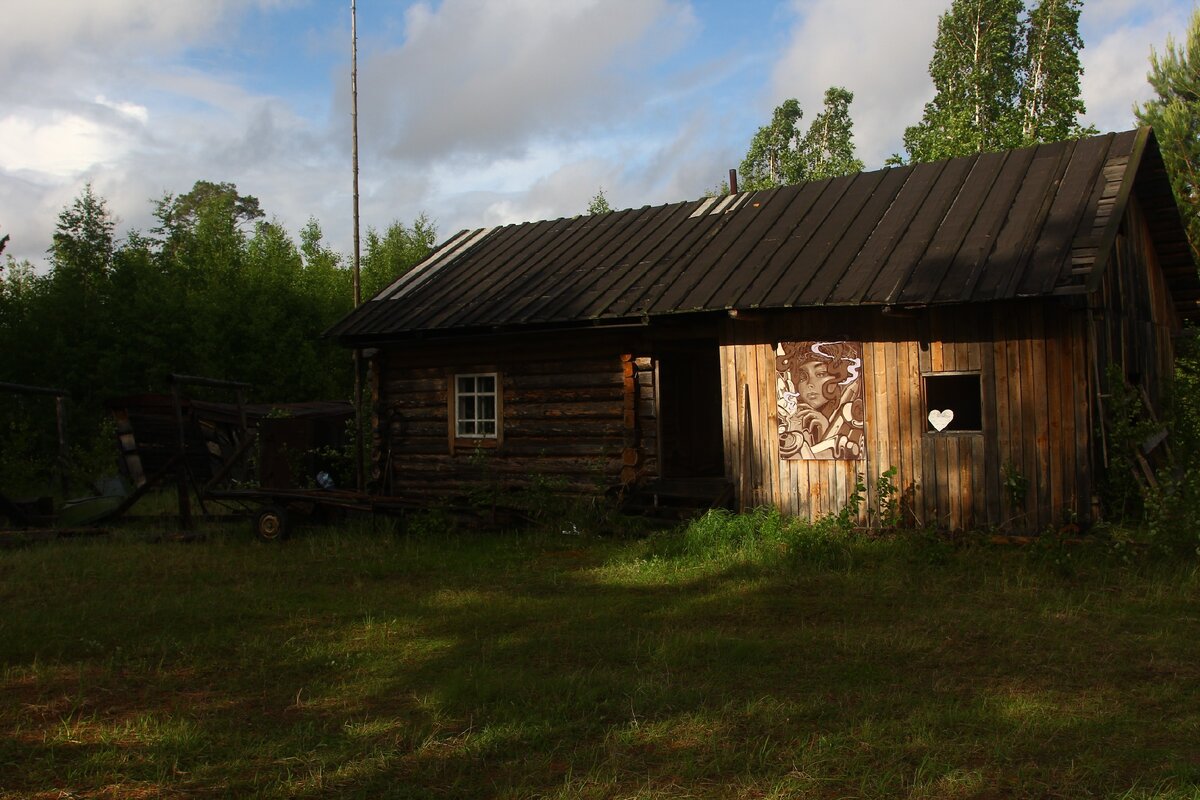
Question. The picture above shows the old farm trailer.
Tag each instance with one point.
(205, 448)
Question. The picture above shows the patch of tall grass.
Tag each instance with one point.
(762, 537)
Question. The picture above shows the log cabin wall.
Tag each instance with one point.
(579, 409)
(1031, 359)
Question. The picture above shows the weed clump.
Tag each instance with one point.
(762, 536)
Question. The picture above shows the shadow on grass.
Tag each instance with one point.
(536, 669)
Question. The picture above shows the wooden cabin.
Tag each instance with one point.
(953, 321)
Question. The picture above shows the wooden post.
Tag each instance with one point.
(64, 452)
(181, 485)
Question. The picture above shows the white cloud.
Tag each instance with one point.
(489, 77)
(878, 49)
(1118, 37)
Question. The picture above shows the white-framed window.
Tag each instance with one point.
(475, 406)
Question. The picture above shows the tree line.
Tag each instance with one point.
(214, 289)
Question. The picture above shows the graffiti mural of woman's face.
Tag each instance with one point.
(812, 378)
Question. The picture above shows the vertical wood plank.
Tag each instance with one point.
(1056, 377)
(913, 418)
(1038, 400)
(989, 384)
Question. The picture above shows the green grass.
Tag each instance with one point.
(785, 664)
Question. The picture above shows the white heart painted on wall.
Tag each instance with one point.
(940, 419)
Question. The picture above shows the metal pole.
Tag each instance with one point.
(360, 483)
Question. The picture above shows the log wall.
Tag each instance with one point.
(581, 412)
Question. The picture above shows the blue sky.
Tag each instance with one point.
(473, 112)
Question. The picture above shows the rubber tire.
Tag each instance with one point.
(271, 524)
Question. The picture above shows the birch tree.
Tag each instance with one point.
(1003, 78)
(780, 154)
(1050, 96)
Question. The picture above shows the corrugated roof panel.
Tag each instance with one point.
(826, 271)
(705, 258)
(510, 289)
(867, 267)
(943, 249)
(895, 273)
(1052, 250)
(959, 282)
(783, 267)
(846, 281)
(1026, 217)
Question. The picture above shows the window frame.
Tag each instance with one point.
(456, 423)
(928, 428)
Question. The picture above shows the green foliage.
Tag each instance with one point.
(1175, 116)
(1003, 78)
(1126, 427)
(181, 214)
(206, 294)
(847, 515)
(1165, 511)
(1050, 99)
(390, 255)
(761, 536)
(888, 513)
(599, 203)
(1016, 488)
(780, 154)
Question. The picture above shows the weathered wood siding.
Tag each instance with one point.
(1132, 314)
(1032, 361)
(579, 411)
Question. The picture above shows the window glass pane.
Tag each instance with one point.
(475, 405)
(466, 407)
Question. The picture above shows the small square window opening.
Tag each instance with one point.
(953, 403)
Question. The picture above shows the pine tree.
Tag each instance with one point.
(1175, 116)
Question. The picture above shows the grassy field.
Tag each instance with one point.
(359, 663)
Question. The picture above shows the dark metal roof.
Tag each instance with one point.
(1031, 222)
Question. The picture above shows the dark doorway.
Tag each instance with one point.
(689, 409)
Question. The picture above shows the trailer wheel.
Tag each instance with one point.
(271, 524)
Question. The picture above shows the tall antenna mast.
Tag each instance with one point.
(360, 483)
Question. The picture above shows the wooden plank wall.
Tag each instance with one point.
(1032, 361)
(564, 416)
(1132, 312)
